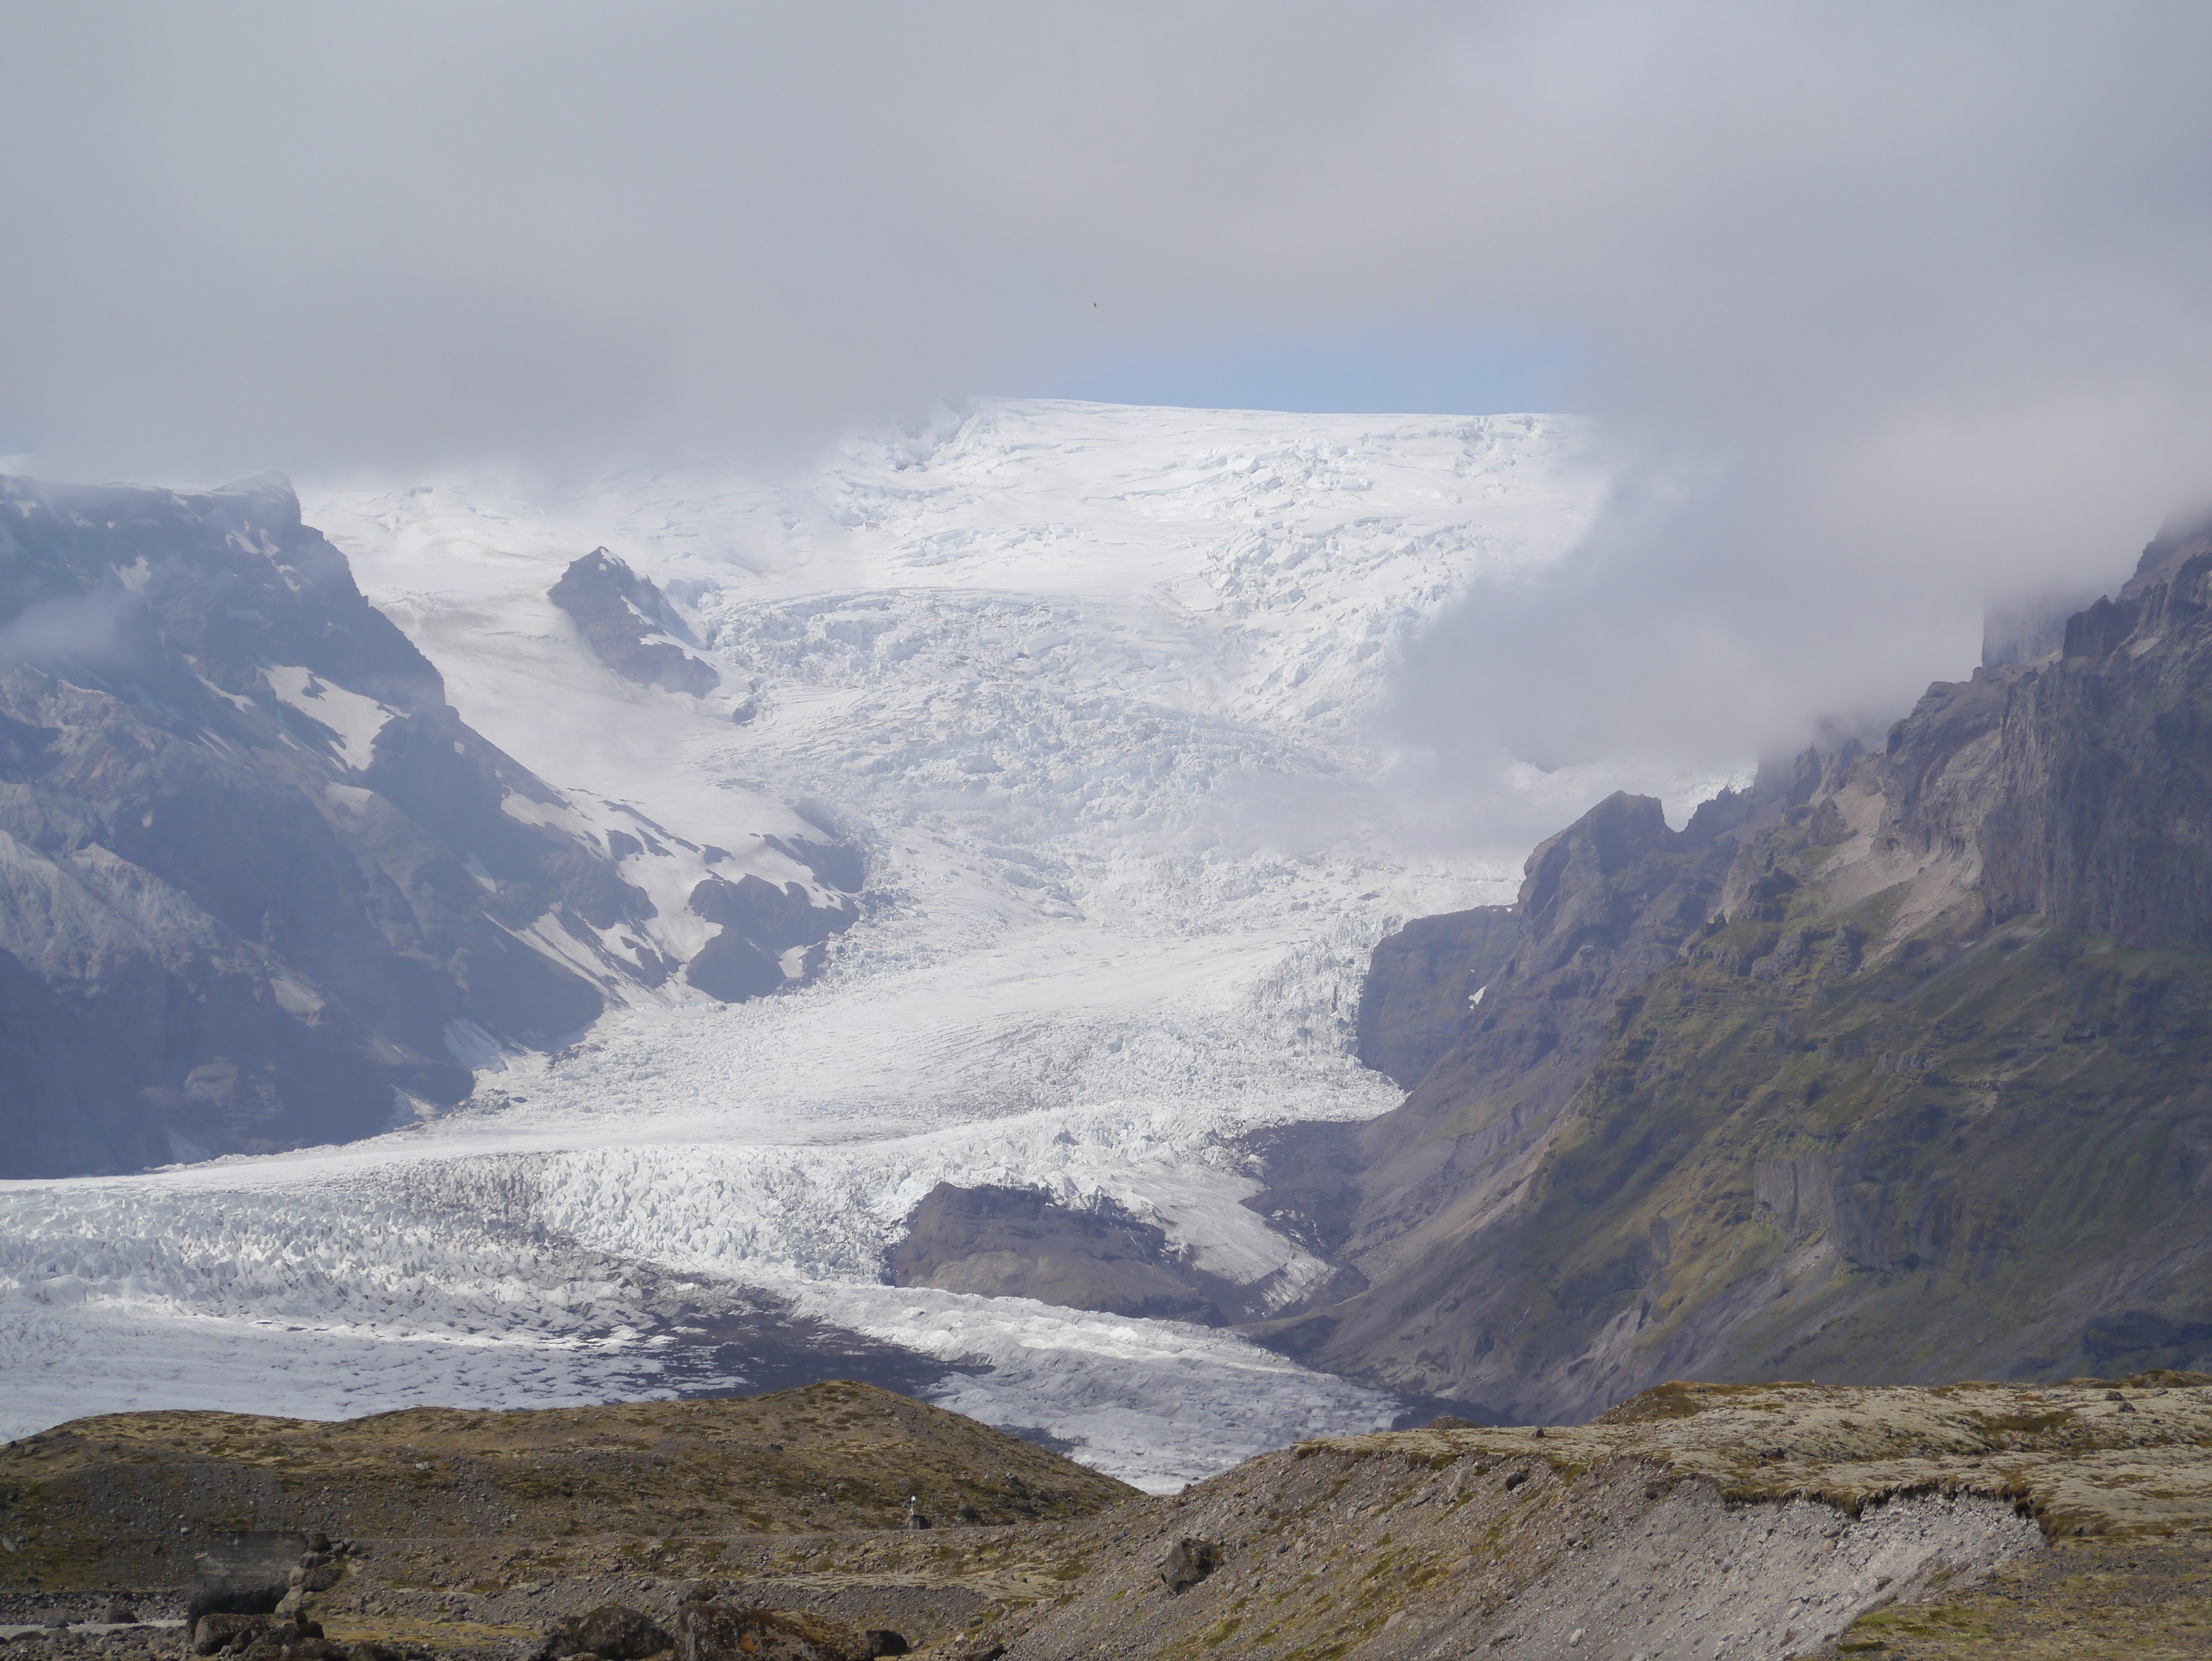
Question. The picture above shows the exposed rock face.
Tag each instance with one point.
(1189, 1560)
(1020, 1243)
(2086, 784)
(631, 625)
(244, 1574)
(1885, 1070)
(256, 875)
(1419, 997)
(762, 927)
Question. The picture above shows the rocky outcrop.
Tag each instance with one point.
(1885, 1070)
(260, 884)
(1189, 1560)
(708, 1630)
(1424, 988)
(996, 1242)
(765, 935)
(244, 1573)
(631, 625)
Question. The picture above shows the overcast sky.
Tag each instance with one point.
(1883, 305)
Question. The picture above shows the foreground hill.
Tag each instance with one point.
(101, 1499)
(1695, 1520)
(1782, 1520)
(1889, 1069)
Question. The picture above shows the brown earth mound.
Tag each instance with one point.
(115, 1499)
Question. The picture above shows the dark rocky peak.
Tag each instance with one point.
(998, 1242)
(631, 626)
(167, 593)
(259, 883)
(1584, 886)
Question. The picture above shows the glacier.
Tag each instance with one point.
(1092, 688)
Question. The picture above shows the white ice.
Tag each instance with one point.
(1090, 686)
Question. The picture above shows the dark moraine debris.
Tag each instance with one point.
(631, 625)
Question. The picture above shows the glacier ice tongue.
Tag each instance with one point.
(1088, 686)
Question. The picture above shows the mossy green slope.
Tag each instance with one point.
(1984, 1155)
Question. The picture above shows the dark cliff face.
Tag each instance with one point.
(2100, 765)
(259, 886)
(1423, 985)
(631, 626)
(1888, 1069)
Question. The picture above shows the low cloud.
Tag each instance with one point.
(84, 630)
(1886, 309)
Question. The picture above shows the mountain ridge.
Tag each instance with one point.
(260, 885)
(1880, 1069)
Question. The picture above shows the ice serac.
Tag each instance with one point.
(255, 874)
(631, 626)
(1887, 1069)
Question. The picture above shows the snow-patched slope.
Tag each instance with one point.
(1087, 684)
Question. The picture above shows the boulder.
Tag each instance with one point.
(244, 1573)
(613, 1631)
(119, 1614)
(730, 1632)
(1190, 1559)
(881, 1640)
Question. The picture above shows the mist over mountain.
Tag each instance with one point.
(1883, 1069)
